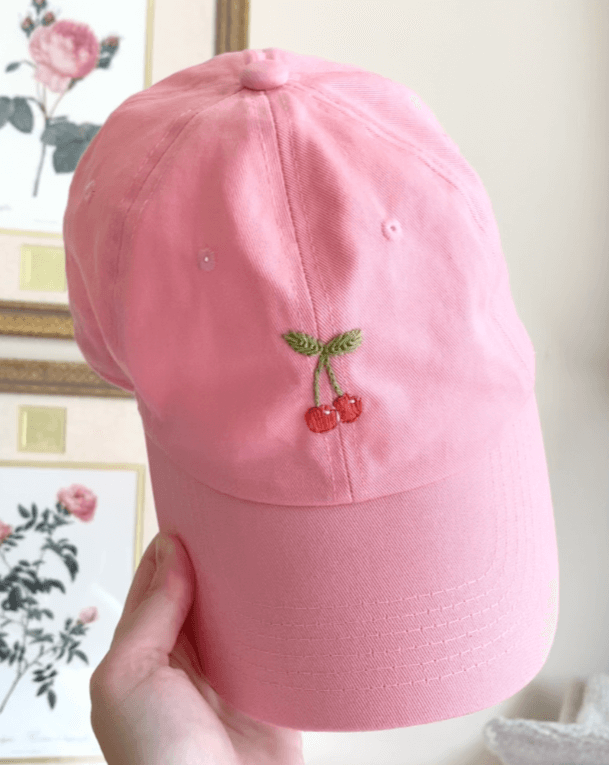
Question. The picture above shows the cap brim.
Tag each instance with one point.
(399, 611)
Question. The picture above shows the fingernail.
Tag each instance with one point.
(164, 548)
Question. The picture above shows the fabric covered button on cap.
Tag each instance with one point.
(264, 75)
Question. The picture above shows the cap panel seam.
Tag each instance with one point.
(313, 259)
(382, 132)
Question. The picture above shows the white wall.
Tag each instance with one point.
(521, 87)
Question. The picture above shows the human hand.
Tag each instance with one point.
(151, 705)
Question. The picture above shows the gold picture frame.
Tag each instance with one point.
(232, 25)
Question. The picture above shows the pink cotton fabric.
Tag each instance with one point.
(398, 569)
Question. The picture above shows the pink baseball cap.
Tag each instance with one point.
(300, 278)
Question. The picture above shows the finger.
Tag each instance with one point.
(141, 581)
(157, 614)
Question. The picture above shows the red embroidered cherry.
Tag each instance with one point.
(349, 407)
(322, 418)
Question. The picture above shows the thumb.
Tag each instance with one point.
(160, 597)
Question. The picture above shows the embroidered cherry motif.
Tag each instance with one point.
(323, 417)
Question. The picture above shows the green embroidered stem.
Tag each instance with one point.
(333, 380)
(323, 361)
(320, 364)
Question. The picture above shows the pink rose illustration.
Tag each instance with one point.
(64, 53)
(5, 531)
(88, 615)
(79, 501)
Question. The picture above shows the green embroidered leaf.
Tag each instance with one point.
(345, 343)
(302, 343)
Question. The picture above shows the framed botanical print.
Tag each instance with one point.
(70, 540)
(63, 70)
